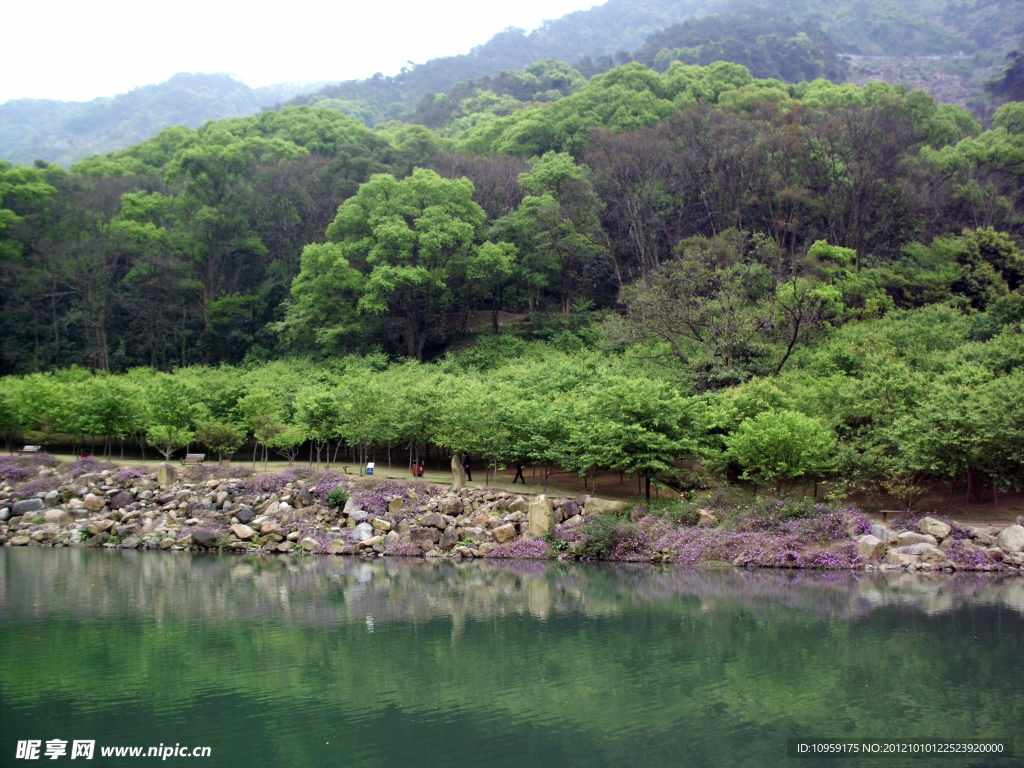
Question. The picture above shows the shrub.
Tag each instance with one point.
(338, 496)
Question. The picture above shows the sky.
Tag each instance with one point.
(76, 51)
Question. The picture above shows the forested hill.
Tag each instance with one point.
(949, 49)
(63, 132)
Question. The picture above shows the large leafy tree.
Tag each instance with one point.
(414, 240)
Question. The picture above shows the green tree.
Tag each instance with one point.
(781, 448)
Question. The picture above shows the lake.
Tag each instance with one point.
(275, 661)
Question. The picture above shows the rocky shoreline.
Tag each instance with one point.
(212, 508)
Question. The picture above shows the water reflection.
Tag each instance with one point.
(328, 590)
(336, 661)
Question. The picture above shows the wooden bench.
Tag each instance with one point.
(31, 449)
(193, 458)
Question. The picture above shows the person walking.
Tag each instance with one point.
(467, 465)
(519, 473)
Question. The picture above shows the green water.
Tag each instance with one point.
(332, 661)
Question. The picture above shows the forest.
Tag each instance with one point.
(678, 274)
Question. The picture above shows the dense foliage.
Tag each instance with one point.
(674, 275)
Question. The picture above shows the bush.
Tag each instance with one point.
(338, 496)
(604, 533)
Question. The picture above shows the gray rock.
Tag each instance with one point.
(359, 515)
(98, 540)
(1011, 539)
(205, 539)
(518, 504)
(363, 531)
(26, 506)
(121, 499)
(505, 533)
(304, 498)
(933, 527)
(458, 473)
(927, 552)
(635, 514)
(244, 514)
(983, 538)
(51, 499)
(907, 538)
(425, 538)
(5, 514)
(596, 506)
(882, 533)
(449, 538)
(435, 520)
(871, 547)
(166, 474)
(539, 516)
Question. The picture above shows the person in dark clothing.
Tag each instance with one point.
(466, 465)
(519, 473)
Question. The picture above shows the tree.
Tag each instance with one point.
(640, 427)
(220, 436)
(262, 414)
(781, 448)
(318, 414)
(414, 239)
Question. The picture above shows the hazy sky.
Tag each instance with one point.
(80, 50)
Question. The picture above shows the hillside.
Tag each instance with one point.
(949, 49)
(64, 132)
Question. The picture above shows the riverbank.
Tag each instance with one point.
(47, 503)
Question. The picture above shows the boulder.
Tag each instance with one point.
(58, 516)
(93, 502)
(357, 516)
(87, 479)
(100, 526)
(882, 533)
(475, 534)
(1011, 539)
(425, 538)
(892, 557)
(871, 547)
(244, 514)
(449, 538)
(994, 553)
(435, 520)
(371, 542)
(308, 544)
(983, 538)
(574, 521)
(933, 527)
(505, 533)
(380, 524)
(51, 499)
(395, 505)
(363, 531)
(337, 547)
(166, 474)
(205, 539)
(27, 506)
(906, 538)
(285, 546)
(539, 516)
(927, 552)
(121, 499)
(706, 519)
(20, 541)
(458, 473)
(243, 532)
(268, 527)
(604, 506)
(518, 504)
(635, 514)
(351, 505)
(304, 498)
(391, 539)
(98, 540)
